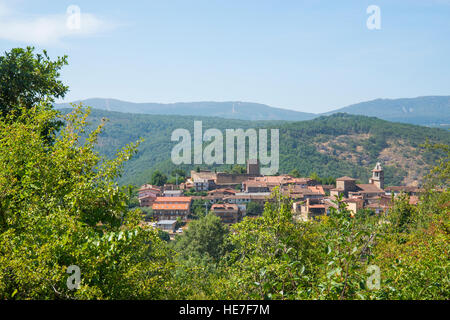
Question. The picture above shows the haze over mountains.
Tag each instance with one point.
(228, 110)
(427, 111)
(430, 111)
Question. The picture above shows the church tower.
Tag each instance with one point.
(377, 176)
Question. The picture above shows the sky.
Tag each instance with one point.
(311, 56)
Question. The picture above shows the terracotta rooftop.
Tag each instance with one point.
(369, 188)
(317, 189)
(166, 206)
(222, 190)
(303, 191)
(253, 183)
(345, 178)
(173, 199)
(146, 196)
(149, 187)
(224, 206)
(248, 196)
(353, 200)
(208, 175)
(317, 206)
(403, 188)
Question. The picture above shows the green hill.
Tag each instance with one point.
(429, 111)
(228, 110)
(335, 145)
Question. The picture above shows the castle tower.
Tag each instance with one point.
(253, 167)
(377, 176)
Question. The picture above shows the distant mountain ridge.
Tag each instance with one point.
(229, 110)
(427, 111)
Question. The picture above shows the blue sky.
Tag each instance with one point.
(310, 56)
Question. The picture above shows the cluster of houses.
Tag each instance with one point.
(229, 194)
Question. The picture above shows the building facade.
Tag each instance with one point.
(171, 208)
(228, 213)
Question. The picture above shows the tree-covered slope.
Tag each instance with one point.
(343, 144)
(335, 145)
(429, 111)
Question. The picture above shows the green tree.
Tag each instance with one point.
(413, 253)
(158, 178)
(179, 172)
(204, 238)
(199, 208)
(315, 176)
(277, 257)
(440, 174)
(163, 235)
(238, 169)
(295, 173)
(29, 79)
(173, 180)
(401, 214)
(254, 208)
(349, 243)
(273, 257)
(60, 206)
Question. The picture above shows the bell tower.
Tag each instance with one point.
(377, 176)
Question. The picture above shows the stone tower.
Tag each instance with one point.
(253, 167)
(377, 176)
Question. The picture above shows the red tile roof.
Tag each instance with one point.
(317, 206)
(165, 206)
(224, 206)
(369, 188)
(222, 190)
(404, 189)
(345, 178)
(173, 199)
(149, 187)
(317, 189)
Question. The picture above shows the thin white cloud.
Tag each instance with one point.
(47, 29)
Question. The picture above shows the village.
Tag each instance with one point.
(230, 195)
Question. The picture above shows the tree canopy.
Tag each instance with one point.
(28, 78)
(60, 206)
(158, 178)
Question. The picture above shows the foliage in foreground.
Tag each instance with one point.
(60, 206)
(276, 257)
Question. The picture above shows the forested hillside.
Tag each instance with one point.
(331, 146)
(429, 111)
(433, 111)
